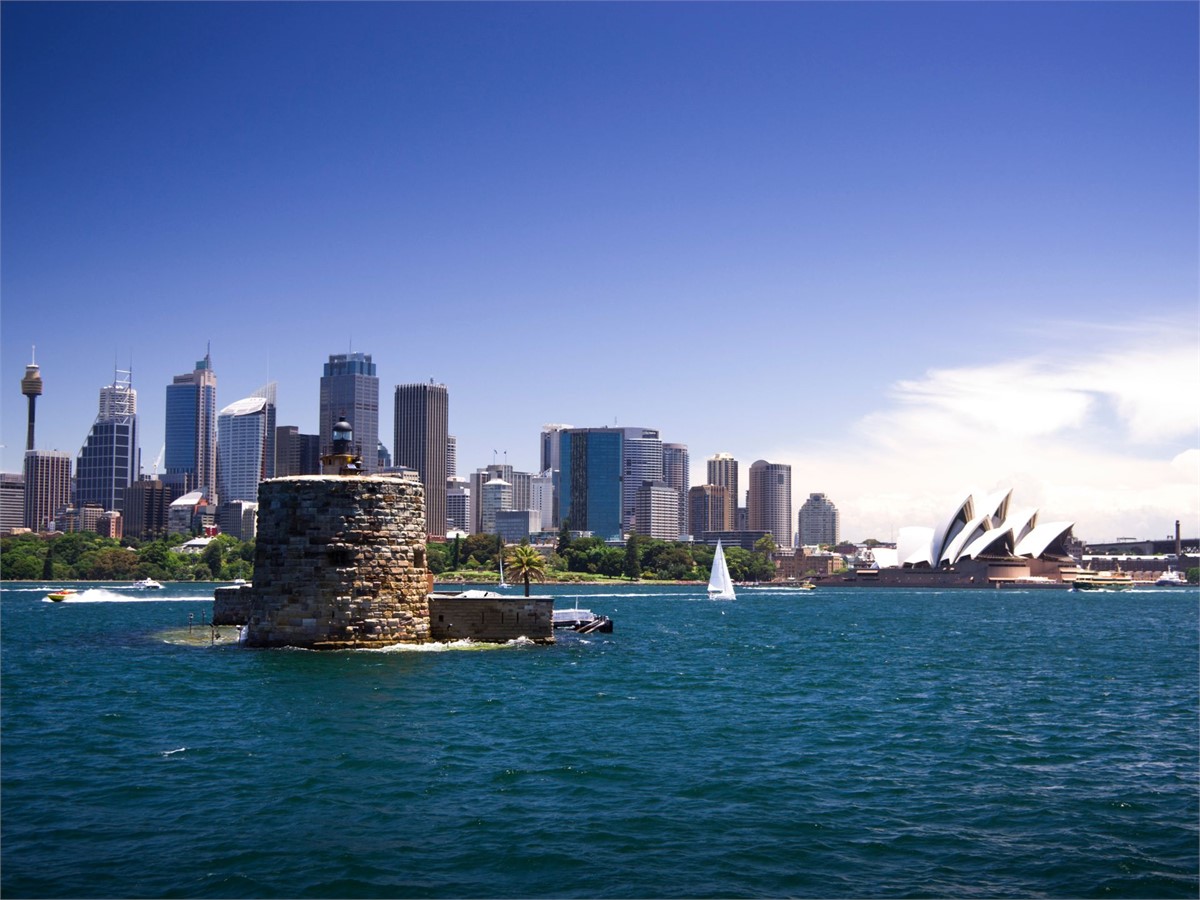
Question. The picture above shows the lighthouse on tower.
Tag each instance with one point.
(343, 460)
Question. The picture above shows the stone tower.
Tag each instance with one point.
(339, 563)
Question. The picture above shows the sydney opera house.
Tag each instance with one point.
(984, 542)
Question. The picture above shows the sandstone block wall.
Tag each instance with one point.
(340, 562)
(492, 619)
(231, 605)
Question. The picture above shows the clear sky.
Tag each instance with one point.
(913, 250)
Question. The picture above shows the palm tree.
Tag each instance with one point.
(524, 563)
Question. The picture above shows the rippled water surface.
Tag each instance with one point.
(839, 743)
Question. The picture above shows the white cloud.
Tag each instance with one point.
(1102, 433)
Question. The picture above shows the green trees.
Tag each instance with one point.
(525, 563)
(87, 556)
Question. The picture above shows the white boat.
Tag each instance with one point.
(1171, 578)
(502, 583)
(147, 584)
(720, 585)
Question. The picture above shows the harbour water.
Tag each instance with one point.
(836, 743)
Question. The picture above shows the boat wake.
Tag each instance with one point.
(104, 595)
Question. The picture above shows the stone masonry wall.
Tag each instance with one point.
(340, 562)
(492, 619)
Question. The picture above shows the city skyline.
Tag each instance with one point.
(940, 247)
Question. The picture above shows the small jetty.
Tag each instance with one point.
(584, 621)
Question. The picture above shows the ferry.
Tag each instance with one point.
(1171, 578)
(1103, 581)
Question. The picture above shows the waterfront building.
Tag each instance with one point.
(588, 486)
(769, 500)
(296, 453)
(238, 518)
(722, 470)
(495, 497)
(108, 461)
(479, 478)
(550, 460)
(12, 501)
(676, 475)
(541, 497)
(350, 391)
(190, 514)
(708, 508)
(641, 461)
(817, 522)
(656, 511)
(422, 418)
(458, 505)
(111, 525)
(243, 451)
(147, 504)
(47, 487)
(191, 427)
(516, 525)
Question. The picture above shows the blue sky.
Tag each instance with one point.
(912, 249)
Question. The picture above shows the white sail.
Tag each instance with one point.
(720, 585)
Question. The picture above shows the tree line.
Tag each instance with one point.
(87, 556)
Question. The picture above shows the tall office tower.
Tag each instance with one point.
(267, 392)
(108, 461)
(588, 486)
(817, 522)
(191, 446)
(641, 461)
(541, 497)
(656, 511)
(422, 419)
(451, 456)
(479, 478)
(769, 500)
(243, 449)
(676, 475)
(12, 501)
(550, 460)
(31, 387)
(296, 453)
(458, 505)
(496, 496)
(708, 506)
(147, 504)
(522, 483)
(723, 471)
(350, 391)
(47, 486)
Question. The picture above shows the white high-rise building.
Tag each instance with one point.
(769, 501)
(496, 496)
(242, 449)
(541, 496)
(817, 522)
(641, 461)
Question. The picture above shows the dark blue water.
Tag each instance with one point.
(841, 743)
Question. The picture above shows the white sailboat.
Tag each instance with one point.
(502, 583)
(720, 585)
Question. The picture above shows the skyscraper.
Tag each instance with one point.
(422, 429)
(191, 439)
(47, 486)
(12, 501)
(296, 453)
(708, 506)
(723, 471)
(551, 462)
(641, 461)
(451, 456)
(817, 522)
(243, 448)
(676, 475)
(769, 500)
(588, 486)
(350, 390)
(108, 461)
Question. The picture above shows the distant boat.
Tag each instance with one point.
(60, 596)
(720, 585)
(582, 620)
(502, 583)
(1171, 578)
(1103, 581)
(147, 584)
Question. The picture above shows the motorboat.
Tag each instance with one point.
(1171, 578)
(147, 584)
(60, 596)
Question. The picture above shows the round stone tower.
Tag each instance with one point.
(339, 562)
